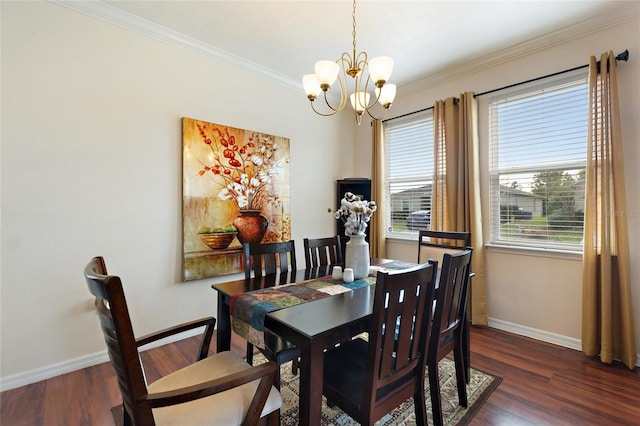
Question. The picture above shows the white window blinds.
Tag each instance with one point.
(538, 145)
(409, 173)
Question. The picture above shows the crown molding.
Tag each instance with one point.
(627, 12)
(115, 16)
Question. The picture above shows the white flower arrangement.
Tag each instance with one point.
(355, 213)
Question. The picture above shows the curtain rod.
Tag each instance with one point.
(407, 114)
(624, 56)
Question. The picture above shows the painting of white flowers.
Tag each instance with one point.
(235, 189)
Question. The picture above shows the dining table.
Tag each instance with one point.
(313, 326)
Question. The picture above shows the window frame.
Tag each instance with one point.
(575, 78)
(417, 181)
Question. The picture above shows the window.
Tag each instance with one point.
(409, 173)
(538, 148)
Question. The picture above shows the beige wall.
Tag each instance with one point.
(536, 293)
(91, 165)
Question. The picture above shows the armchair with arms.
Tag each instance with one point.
(217, 389)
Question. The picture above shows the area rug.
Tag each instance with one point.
(478, 390)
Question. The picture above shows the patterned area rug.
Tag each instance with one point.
(478, 390)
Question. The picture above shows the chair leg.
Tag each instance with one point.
(420, 405)
(276, 380)
(294, 366)
(249, 353)
(273, 419)
(461, 382)
(434, 389)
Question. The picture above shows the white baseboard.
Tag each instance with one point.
(53, 370)
(544, 336)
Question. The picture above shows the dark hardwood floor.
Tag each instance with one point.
(543, 384)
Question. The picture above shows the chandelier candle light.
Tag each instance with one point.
(356, 213)
(377, 71)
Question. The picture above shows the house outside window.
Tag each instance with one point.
(409, 174)
(538, 147)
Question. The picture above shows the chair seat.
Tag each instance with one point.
(226, 408)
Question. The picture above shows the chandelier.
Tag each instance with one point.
(357, 66)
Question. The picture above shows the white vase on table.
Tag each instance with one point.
(357, 256)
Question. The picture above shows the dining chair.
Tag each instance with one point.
(322, 251)
(433, 244)
(368, 379)
(217, 389)
(265, 259)
(447, 329)
(270, 258)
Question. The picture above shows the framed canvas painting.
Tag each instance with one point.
(235, 189)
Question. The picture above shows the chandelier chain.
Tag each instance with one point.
(353, 33)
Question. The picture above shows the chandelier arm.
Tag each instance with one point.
(326, 101)
(361, 63)
(376, 95)
(324, 114)
(346, 63)
(374, 117)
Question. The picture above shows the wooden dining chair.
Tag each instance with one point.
(447, 330)
(270, 258)
(217, 389)
(433, 244)
(322, 251)
(265, 259)
(368, 379)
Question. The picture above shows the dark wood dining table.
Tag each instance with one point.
(312, 326)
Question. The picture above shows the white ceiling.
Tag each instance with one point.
(285, 38)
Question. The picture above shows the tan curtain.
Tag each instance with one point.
(455, 200)
(607, 313)
(377, 241)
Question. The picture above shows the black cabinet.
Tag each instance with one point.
(360, 187)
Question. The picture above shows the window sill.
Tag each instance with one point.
(408, 238)
(501, 248)
(535, 251)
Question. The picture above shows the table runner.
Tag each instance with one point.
(249, 309)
